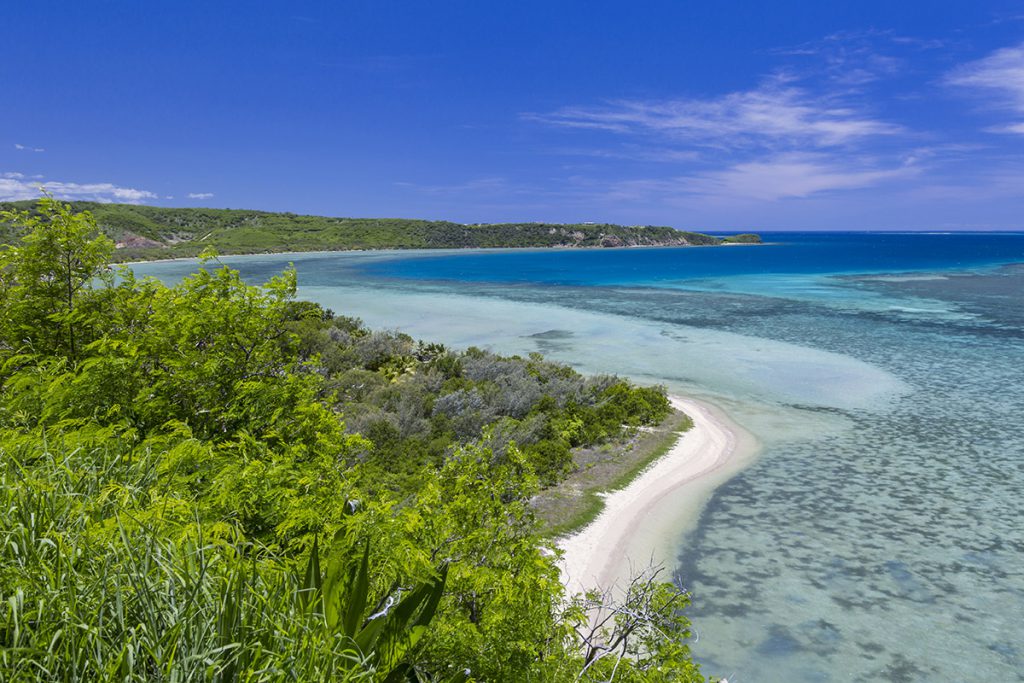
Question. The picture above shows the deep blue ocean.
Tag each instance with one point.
(879, 536)
(785, 253)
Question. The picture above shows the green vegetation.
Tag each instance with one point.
(576, 501)
(150, 232)
(743, 238)
(214, 481)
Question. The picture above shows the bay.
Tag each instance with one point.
(880, 534)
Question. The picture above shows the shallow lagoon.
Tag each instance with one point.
(881, 534)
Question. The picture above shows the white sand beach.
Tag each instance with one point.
(644, 522)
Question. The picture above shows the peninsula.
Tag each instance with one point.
(152, 232)
(228, 464)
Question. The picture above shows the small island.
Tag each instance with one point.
(144, 233)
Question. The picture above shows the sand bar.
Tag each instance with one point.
(644, 522)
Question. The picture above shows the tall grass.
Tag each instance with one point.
(90, 592)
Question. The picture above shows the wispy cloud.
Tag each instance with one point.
(791, 176)
(785, 139)
(200, 195)
(850, 59)
(629, 152)
(775, 114)
(27, 148)
(1017, 128)
(783, 177)
(854, 59)
(1000, 77)
(984, 185)
(475, 186)
(787, 176)
(14, 187)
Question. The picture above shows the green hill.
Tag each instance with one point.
(152, 232)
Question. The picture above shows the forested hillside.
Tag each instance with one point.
(150, 232)
(214, 481)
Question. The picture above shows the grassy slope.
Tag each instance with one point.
(156, 232)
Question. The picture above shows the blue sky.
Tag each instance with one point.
(700, 115)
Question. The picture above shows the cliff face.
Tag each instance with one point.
(654, 238)
(639, 241)
(129, 240)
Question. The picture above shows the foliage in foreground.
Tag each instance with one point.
(126, 602)
(180, 498)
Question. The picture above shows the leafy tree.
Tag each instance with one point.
(44, 279)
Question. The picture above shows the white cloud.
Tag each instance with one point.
(1001, 75)
(786, 176)
(1002, 71)
(790, 176)
(772, 115)
(656, 153)
(200, 195)
(13, 187)
(809, 131)
(1017, 128)
(475, 186)
(854, 59)
(26, 148)
(777, 141)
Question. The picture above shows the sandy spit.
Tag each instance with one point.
(644, 523)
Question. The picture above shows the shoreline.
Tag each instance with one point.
(389, 250)
(643, 523)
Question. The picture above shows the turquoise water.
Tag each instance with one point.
(880, 536)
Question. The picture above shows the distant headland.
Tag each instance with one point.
(152, 232)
